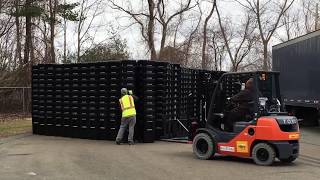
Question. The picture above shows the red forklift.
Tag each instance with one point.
(265, 133)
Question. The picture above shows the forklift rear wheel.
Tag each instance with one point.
(263, 154)
(288, 160)
(204, 147)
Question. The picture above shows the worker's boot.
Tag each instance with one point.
(131, 143)
(118, 142)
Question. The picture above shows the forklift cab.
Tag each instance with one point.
(266, 100)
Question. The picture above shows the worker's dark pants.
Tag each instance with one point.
(125, 122)
(235, 115)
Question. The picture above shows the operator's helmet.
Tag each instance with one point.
(124, 91)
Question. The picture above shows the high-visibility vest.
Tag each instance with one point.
(127, 106)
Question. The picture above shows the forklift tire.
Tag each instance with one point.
(204, 147)
(288, 160)
(263, 154)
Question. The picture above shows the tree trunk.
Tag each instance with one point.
(150, 30)
(64, 38)
(32, 56)
(28, 34)
(78, 46)
(18, 49)
(53, 6)
(265, 56)
(65, 41)
(204, 43)
(163, 39)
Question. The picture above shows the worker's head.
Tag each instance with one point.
(124, 91)
(249, 84)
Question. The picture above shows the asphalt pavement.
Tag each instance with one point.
(36, 157)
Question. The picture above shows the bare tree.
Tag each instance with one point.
(289, 21)
(218, 49)
(156, 14)
(28, 32)
(204, 43)
(89, 10)
(316, 21)
(145, 18)
(191, 37)
(268, 15)
(18, 33)
(240, 50)
(64, 37)
(5, 19)
(150, 29)
(53, 4)
(310, 9)
(165, 18)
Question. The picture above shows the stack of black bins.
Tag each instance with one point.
(38, 103)
(63, 81)
(175, 90)
(35, 99)
(146, 71)
(103, 78)
(168, 101)
(114, 117)
(53, 99)
(185, 85)
(161, 97)
(128, 80)
(82, 100)
(193, 100)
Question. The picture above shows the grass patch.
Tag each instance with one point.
(14, 127)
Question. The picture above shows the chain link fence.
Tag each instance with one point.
(15, 103)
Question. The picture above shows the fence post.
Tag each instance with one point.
(23, 108)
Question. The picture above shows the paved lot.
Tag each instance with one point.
(41, 157)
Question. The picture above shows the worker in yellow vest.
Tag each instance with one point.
(128, 116)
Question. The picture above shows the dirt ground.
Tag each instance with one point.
(30, 156)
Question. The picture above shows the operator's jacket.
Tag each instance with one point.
(244, 100)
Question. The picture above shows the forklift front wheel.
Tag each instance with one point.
(263, 154)
(204, 147)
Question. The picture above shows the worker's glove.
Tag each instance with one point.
(130, 92)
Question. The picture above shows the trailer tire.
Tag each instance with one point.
(263, 154)
(204, 147)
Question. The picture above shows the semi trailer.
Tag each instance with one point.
(298, 62)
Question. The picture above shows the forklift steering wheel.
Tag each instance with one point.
(273, 108)
(230, 104)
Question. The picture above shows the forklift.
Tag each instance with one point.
(265, 133)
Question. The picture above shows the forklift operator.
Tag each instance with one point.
(244, 100)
